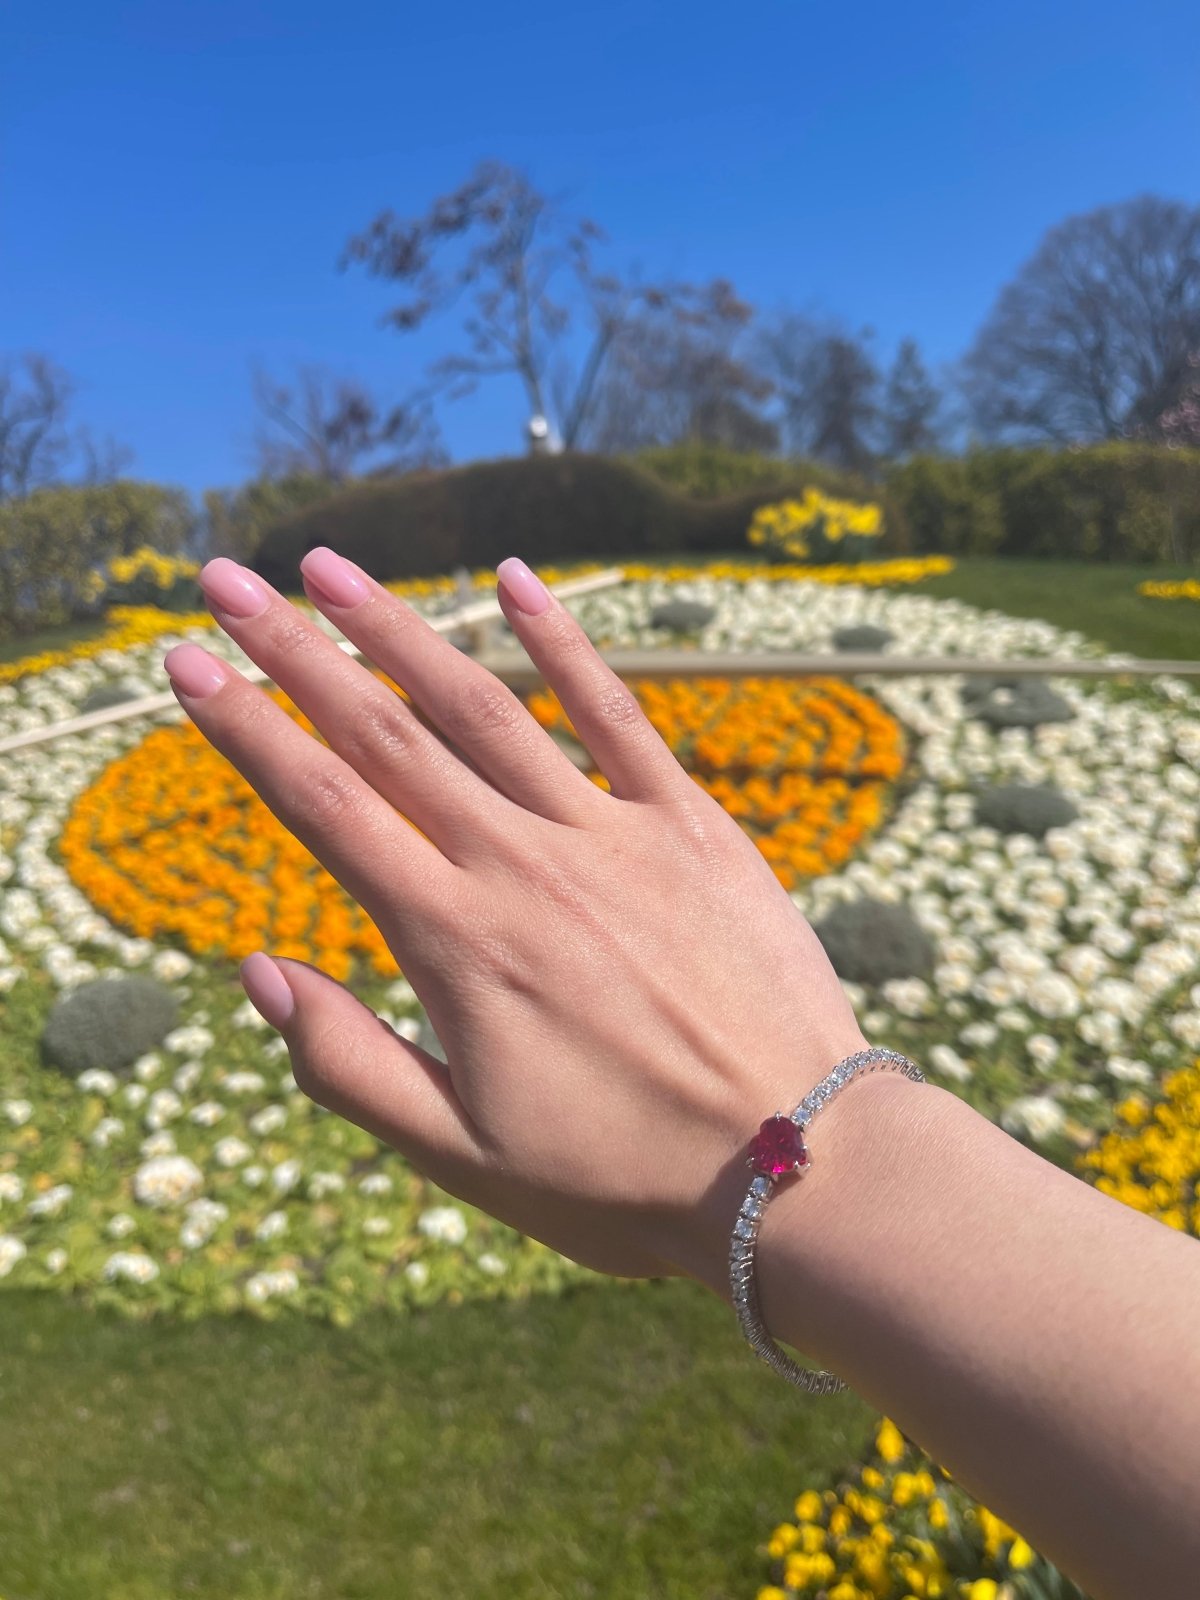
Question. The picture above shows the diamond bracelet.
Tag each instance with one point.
(777, 1150)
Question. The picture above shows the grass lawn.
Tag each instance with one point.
(613, 1442)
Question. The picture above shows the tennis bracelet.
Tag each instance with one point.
(777, 1150)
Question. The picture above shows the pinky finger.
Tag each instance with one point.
(350, 1062)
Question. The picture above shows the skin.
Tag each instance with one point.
(624, 991)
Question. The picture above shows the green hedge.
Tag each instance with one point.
(543, 508)
(237, 520)
(53, 542)
(1110, 502)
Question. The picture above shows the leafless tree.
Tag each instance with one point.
(828, 385)
(527, 272)
(1091, 338)
(670, 380)
(35, 444)
(328, 427)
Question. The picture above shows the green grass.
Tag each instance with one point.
(1101, 601)
(609, 1443)
(14, 646)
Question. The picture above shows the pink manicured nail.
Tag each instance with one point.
(231, 588)
(340, 581)
(524, 588)
(194, 672)
(267, 989)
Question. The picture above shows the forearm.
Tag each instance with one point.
(1039, 1339)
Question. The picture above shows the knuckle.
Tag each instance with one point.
(290, 635)
(566, 638)
(617, 706)
(328, 798)
(483, 708)
(379, 726)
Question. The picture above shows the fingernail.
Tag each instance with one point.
(233, 589)
(524, 588)
(267, 990)
(340, 581)
(193, 671)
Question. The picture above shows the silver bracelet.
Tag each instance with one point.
(777, 1150)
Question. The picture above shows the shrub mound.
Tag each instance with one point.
(862, 636)
(103, 696)
(682, 616)
(1014, 702)
(871, 941)
(1024, 808)
(108, 1023)
(551, 508)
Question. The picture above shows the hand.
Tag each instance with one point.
(622, 987)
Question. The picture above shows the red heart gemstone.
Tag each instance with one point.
(777, 1147)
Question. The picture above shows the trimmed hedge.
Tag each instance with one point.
(1109, 502)
(546, 508)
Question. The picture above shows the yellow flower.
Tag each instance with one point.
(889, 1441)
(808, 1506)
(982, 1589)
(1021, 1555)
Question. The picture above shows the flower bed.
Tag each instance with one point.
(1065, 969)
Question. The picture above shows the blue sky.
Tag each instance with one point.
(178, 181)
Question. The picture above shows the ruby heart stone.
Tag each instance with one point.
(777, 1147)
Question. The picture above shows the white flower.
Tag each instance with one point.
(376, 1227)
(189, 1041)
(445, 1223)
(285, 1176)
(265, 1285)
(188, 1076)
(168, 966)
(1037, 1115)
(52, 1202)
(18, 1112)
(231, 1152)
(206, 1114)
(254, 1176)
(165, 1105)
(949, 1063)
(1129, 1071)
(492, 1264)
(97, 1081)
(979, 1035)
(120, 1225)
(105, 1132)
(166, 1180)
(909, 996)
(158, 1144)
(56, 1260)
(147, 1067)
(134, 1095)
(375, 1183)
(11, 1187)
(273, 1226)
(417, 1273)
(1043, 1048)
(322, 1183)
(269, 1120)
(243, 1083)
(247, 1017)
(11, 1251)
(134, 1266)
(1053, 995)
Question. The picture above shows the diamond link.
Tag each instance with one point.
(745, 1231)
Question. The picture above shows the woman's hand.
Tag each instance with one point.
(622, 987)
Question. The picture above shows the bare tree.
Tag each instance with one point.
(668, 381)
(911, 412)
(526, 270)
(327, 427)
(35, 445)
(1091, 338)
(828, 385)
(1179, 425)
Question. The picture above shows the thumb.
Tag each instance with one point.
(347, 1059)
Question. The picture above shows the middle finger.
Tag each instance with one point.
(363, 720)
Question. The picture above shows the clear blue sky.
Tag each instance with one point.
(178, 181)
